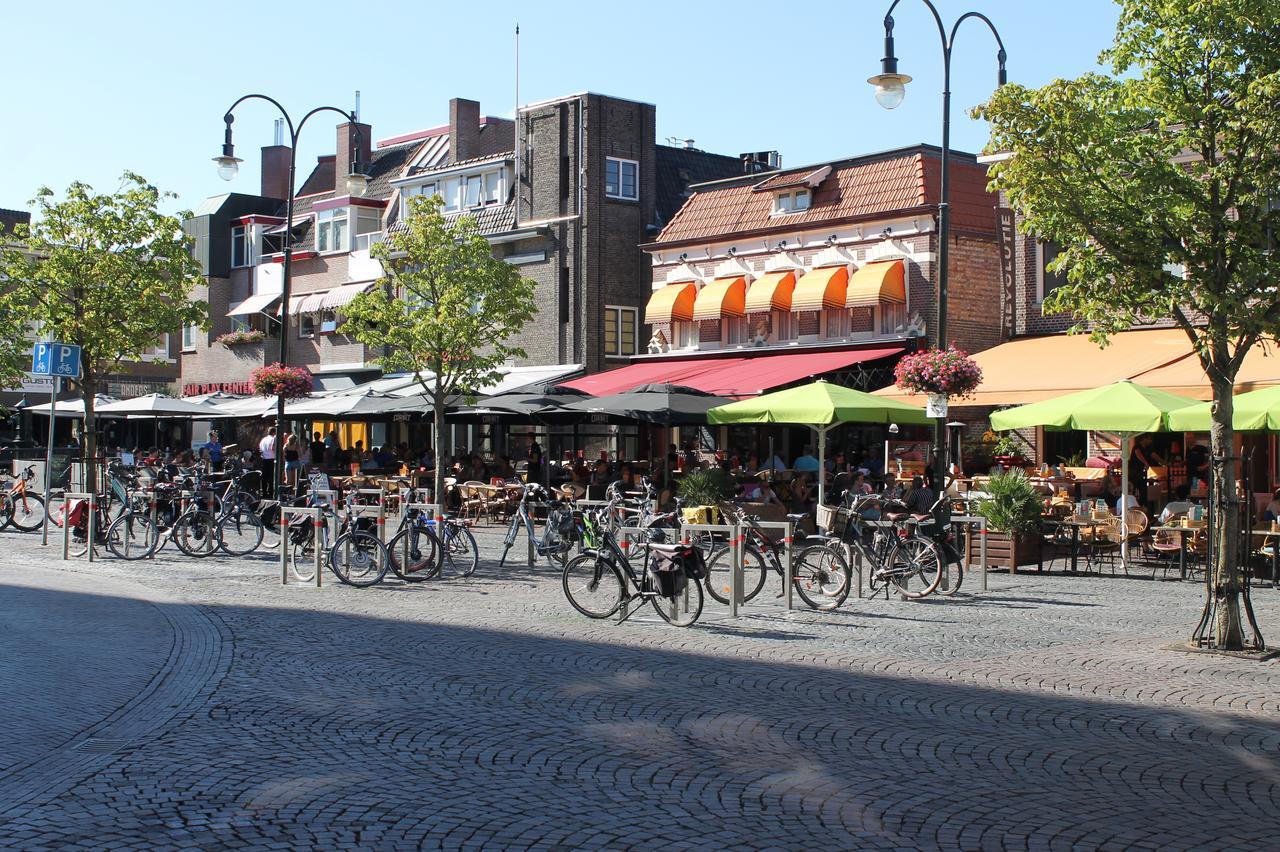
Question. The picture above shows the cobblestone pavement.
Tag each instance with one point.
(200, 704)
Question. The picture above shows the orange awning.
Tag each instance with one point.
(1260, 369)
(673, 302)
(873, 283)
(724, 297)
(771, 291)
(1030, 369)
(821, 288)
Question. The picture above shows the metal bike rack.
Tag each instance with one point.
(67, 499)
(737, 554)
(316, 515)
(969, 521)
(381, 508)
(431, 510)
(788, 530)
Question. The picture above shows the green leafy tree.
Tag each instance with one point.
(109, 273)
(1159, 181)
(450, 311)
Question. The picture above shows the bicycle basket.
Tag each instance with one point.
(835, 520)
(666, 571)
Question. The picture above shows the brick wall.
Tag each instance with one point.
(973, 293)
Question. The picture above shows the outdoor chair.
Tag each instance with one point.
(473, 499)
(1164, 546)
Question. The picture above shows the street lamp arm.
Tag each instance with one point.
(293, 136)
(1000, 56)
(349, 116)
(937, 19)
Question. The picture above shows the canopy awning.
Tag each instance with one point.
(821, 288)
(1260, 369)
(673, 302)
(771, 291)
(873, 283)
(339, 296)
(255, 304)
(723, 297)
(1030, 369)
(736, 377)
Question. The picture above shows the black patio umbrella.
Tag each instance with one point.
(660, 405)
(546, 404)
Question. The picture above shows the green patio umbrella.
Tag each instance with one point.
(1256, 411)
(821, 406)
(1124, 407)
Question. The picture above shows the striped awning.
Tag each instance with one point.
(771, 291)
(723, 297)
(821, 288)
(256, 304)
(873, 283)
(673, 302)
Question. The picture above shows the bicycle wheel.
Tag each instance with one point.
(914, 567)
(132, 536)
(6, 510)
(239, 532)
(682, 610)
(28, 512)
(952, 578)
(821, 577)
(414, 554)
(460, 551)
(196, 534)
(719, 569)
(593, 586)
(302, 555)
(359, 559)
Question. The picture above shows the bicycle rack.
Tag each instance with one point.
(969, 521)
(316, 515)
(381, 508)
(432, 511)
(67, 499)
(737, 555)
(788, 530)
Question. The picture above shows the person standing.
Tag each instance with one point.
(292, 460)
(317, 450)
(1141, 458)
(214, 447)
(533, 459)
(267, 450)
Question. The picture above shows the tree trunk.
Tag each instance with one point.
(437, 427)
(1224, 584)
(89, 440)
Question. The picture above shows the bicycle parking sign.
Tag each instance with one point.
(56, 359)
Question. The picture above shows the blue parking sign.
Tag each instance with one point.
(55, 359)
(42, 359)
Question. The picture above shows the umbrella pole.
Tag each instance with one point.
(1124, 501)
(822, 466)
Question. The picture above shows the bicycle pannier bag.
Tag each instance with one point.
(667, 574)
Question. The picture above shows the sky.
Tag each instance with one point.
(95, 89)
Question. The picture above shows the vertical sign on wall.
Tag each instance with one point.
(1008, 289)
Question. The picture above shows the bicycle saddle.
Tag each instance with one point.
(797, 516)
(896, 516)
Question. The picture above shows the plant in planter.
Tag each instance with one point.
(1007, 452)
(279, 380)
(702, 491)
(1012, 509)
(938, 372)
(243, 336)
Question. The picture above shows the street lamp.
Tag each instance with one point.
(357, 182)
(890, 89)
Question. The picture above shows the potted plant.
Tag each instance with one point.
(1006, 452)
(279, 380)
(1012, 509)
(241, 337)
(940, 374)
(701, 492)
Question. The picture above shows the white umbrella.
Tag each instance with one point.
(344, 405)
(155, 405)
(74, 407)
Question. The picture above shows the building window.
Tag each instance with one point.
(837, 322)
(240, 246)
(306, 325)
(784, 325)
(332, 230)
(159, 352)
(189, 333)
(733, 331)
(492, 187)
(450, 190)
(893, 318)
(1046, 281)
(368, 227)
(621, 178)
(791, 202)
(619, 332)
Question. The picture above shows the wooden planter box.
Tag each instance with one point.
(1001, 552)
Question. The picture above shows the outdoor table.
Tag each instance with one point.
(1275, 557)
(1182, 544)
(1077, 524)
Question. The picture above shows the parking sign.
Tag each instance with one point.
(55, 359)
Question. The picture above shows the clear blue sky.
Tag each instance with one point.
(96, 88)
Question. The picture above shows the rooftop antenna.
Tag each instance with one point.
(357, 109)
(515, 115)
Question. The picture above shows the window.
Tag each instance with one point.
(733, 331)
(368, 226)
(784, 325)
(893, 317)
(492, 187)
(240, 255)
(472, 189)
(621, 178)
(450, 189)
(189, 333)
(791, 202)
(619, 332)
(1046, 281)
(159, 352)
(306, 325)
(332, 230)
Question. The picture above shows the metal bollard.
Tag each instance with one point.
(284, 547)
(92, 513)
(317, 524)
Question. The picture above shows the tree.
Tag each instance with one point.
(449, 310)
(109, 273)
(1159, 182)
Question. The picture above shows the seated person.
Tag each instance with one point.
(858, 485)
(580, 475)
(1180, 505)
(601, 475)
(920, 497)
(892, 489)
(627, 477)
(806, 461)
(1129, 501)
(504, 468)
(1272, 510)
(801, 495)
(382, 457)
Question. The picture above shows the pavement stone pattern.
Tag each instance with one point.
(1045, 713)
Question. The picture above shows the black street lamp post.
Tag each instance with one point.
(891, 88)
(357, 182)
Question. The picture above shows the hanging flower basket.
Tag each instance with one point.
(949, 373)
(279, 380)
(238, 338)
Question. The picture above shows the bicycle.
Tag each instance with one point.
(357, 556)
(602, 581)
(20, 507)
(899, 547)
(557, 534)
(422, 546)
(820, 574)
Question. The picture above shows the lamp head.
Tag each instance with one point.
(891, 88)
(228, 163)
(357, 182)
(893, 428)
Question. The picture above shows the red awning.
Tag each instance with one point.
(738, 376)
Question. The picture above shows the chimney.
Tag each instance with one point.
(464, 129)
(346, 147)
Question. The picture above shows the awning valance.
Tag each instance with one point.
(256, 304)
(672, 303)
(771, 291)
(821, 288)
(339, 296)
(873, 283)
(723, 297)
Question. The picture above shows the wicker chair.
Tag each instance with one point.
(1165, 545)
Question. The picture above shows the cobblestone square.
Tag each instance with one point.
(200, 704)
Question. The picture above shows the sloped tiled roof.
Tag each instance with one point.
(675, 169)
(9, 218)
(790, 179)
(490, 220)
(893, 182)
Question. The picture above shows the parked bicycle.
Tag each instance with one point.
(557, 534)
(21, 507)
(423, 547)
(356, 555)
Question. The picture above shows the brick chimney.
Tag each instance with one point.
(275, 171)
(346, 145)
(464, 129)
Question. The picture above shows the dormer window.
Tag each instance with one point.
(332, 230)
(791, 202)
